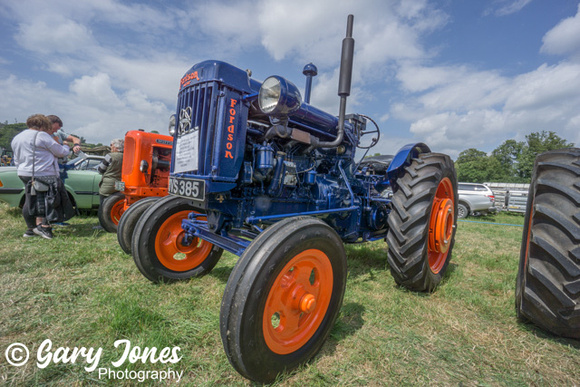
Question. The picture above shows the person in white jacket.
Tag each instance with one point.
(36, 154)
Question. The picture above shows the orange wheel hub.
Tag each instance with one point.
(298, 301)
(441, 225)
(170, 251)
(116, 211)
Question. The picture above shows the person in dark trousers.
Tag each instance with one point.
(35, 157)
(111, 168)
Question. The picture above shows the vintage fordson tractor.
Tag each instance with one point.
(145, 174)
(274, 180)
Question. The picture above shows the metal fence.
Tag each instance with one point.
(510, 196)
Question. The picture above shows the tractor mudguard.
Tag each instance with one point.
(401, 160)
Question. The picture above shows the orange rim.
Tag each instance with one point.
(298, 301)
(441, 225)
(171, 253)
(116, 211)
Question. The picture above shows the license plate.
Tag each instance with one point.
(187, 188)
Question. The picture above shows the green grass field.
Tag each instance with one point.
(81, 290)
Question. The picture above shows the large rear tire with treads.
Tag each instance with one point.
(548, 280)
(423, 222)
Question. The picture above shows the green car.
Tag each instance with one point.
(82, 183)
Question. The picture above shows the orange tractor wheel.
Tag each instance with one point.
(159, 248)
(423, 222)
(111, 210)
(283, 298)
(129, 219)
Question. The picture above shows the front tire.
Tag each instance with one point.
(111, 211)
(129, 219)
(548, 280)
(283, 297)
(158, 249)
(423, 222)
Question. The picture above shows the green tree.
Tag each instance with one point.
(507, 155)
(8, 132)
(471, 166)
(511, 162)
(475, 166)
(537, 143)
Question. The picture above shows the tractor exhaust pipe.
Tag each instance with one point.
(343, 83)
(310, 71)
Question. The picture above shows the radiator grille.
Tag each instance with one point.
(202, 98)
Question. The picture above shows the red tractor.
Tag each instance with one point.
(146, 161)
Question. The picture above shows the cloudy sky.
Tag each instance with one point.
(455, 74)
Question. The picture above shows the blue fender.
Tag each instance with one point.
(402, 159)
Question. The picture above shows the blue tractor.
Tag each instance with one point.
(261, 173)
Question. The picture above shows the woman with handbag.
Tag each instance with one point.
(35, 156)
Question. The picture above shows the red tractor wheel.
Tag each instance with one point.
(158, 246)
(283, 298)
(111, 210)
(547, 284)
(423, 222)
(129, 219)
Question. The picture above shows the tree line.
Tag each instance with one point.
(511, 162)
(9, 131)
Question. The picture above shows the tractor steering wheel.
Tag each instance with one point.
(375, 140)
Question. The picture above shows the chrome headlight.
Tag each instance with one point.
(278, 96)
(172, 122)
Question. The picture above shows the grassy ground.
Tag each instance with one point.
(81, 290)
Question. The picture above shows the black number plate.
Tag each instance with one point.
(187, 188)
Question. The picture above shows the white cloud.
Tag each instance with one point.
(139, 102)
(507, 7)
(556, 85)
(134, 15)
(564, 38)
(138, 17)
(223, 22)
(114, 113)
(455, 131)
(122, 62)
(383, 30)
(157, 76)
(385, 33)
(447, 88)
(21, 98)
(54, 35)
(415, 78)
(92, 109)
(483, 109)
(287, 29)
(96, 91)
